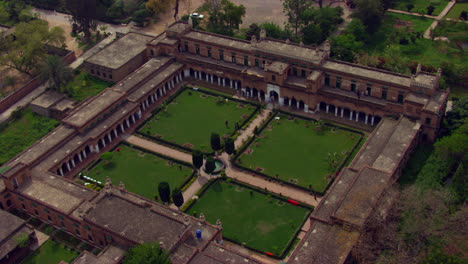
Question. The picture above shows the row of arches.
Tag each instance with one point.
(347, 113)
(215, 79)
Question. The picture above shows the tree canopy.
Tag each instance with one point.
(177, 197)
(83, 16)
(56, 71)
(148, 253)
(197, 159)
(29, 46)
(224, 16)
(164, 192)
(215, 141)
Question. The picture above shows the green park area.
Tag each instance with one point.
(25, 128)
(301, 152)
(141, 172)
(84, 85)
(51, 253)
(191, 117)
(456, 10)
(260, 221)
(420, 6)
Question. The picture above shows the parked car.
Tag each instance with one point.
(197, 15)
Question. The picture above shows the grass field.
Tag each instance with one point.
(294, 150)
(421, 5)
(141, 172)
(84, 85)
(51, 253)
(192, 116)
(22, 132)
(456, 10)
(420, 24)
(250, 217)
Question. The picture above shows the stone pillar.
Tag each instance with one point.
(122, 127)
(372, 121)
(365, 121)
(235, 85)
(281, 101)
(219, 81)
(327, 107)
(350, 115)
(73, 165)
(139, 113)
(133, 119)
(306, 108)
(187, 72)
(318, 107)
(84, 154)
(128, 122)
(230, 84)
(79, 157)
(68, 166)
(109, 137)
(60, 172)
(357, 116)
(336, 111)
(115, 132)
(97, 148)
(224, 82)
(342, 112)
(103, 142)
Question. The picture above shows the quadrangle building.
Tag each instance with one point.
(402, 110)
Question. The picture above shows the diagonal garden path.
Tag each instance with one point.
(231, 172)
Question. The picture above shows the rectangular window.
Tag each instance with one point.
(33, 205)
(327, 80)
(369, 91)
(257, 63)
(400, 97)
(294, 71)
(428, 121)
(384, 93)
(353, 86)
(209, 52)
(246, 60)
(110, 76)
(233, 59)
(338, 82)
(273, 78)
(36, 212)
(197, 49)
(221, 55)
(303, 73)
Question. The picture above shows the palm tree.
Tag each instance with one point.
(56, 71)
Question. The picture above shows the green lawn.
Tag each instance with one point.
(294, 150)
(84, 85)
(456, 10)
(421, 5)
(22, 132)
(192, 116)
(141, 172)
(420, 24)
(51, 253)
(250, 217)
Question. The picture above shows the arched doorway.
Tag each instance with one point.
(286, 101)
(301, 105)
(192, 73)
(294, 103)
(262, 95)
(247, 91)
(274, 97)
(254, 92)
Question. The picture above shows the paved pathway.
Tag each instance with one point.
(249, 131)
(167, 151)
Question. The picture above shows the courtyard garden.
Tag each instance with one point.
(298, 151)
(261, 221)
(456, 10)
(25, 128)
(84, 85)
(51, 252)
(140, 171)
(189, 119)
(420, 6)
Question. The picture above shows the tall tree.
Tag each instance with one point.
(56, 71)
(197, 159)
(229, 145)
(370, 12)
(210, 165)
(148, 253)
(177, 197)
(293, 10)
(164, 191)
(29, 46)
(83, 16)
(215, 142)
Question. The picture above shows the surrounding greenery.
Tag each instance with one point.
(83, 17)
(215, 141)
(14, 11)
(56, 71)
(22, 131)
(177, 197)
(29, 46)
(417, 161)
(197, 159)
(244, 212)
(199, 113)
(457, 10)
(147, 253)
(420, 6)
(229, 146)
(150, 169)
(210, 165)
(459, 114)
(51, 252)
(84, 85)
(271, 152)
(22, 239)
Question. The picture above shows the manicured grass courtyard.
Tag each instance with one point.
(295, 151)
(261, 221)
(21, 132)
(421, 5)
(51, 253)
(456, 10)
(419, 24)
(192, 116)
(141, 172)
(84, 85)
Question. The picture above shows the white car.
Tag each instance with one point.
(197, 15)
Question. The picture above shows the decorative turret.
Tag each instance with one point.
(287, 41)
(190, 22)
(107, 185)
(327, 47)
(262, 33)
(202, 217)
(418, 68)
(439, 72)
(219, 225)
(253, 41)
(122, 186)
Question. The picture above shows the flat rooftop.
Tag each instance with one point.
(436, 102)
(92, 107)
(218, 39)
(305, 53)
(111, 255)
(364, 72)
(121, 51)
(324, 244)
(141, 74)
(48, 99)
(10, 226)
(278, 67)
(51, 196)
(137, 222)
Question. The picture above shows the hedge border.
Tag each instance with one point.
(247, 121)
(288, 246)
(260, 130)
